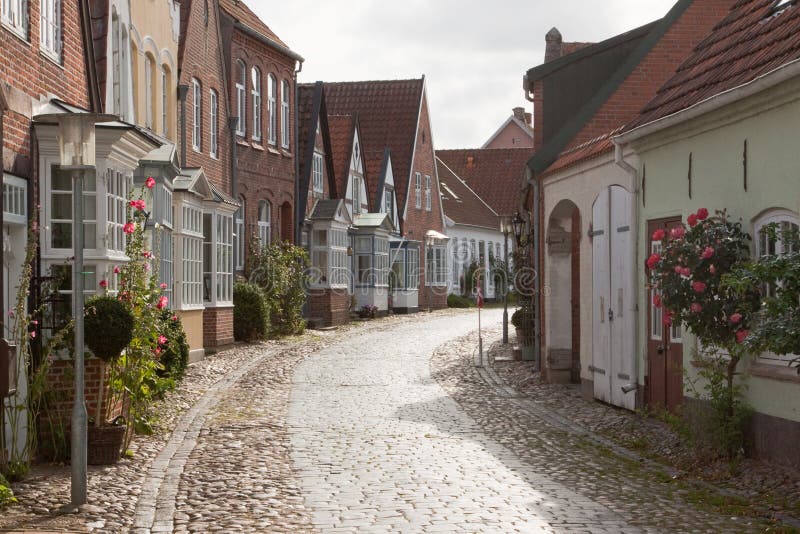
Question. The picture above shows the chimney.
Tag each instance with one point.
(553, 48)
(519, 113)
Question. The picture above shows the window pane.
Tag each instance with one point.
(61, 235)
(62, 206)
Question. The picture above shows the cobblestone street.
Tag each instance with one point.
(377, 427)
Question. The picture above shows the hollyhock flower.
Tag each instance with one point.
(162, 302)
(174, 317)
(696, 307)
(741, 335)
(712, 270)
(11, 313)
(116, 270)
(677, 233)
(147, 254)
(653, 261)
(667, 319)
(150, 182)
(702, 214)
(33, 334)
(659, 235)
(147, 267)
(129, 227)
(685, 271)
(699, 287)
(35, 322)
(692, 220)
(736, 318)
(678, 269)
(103, 284)
(162, 339)
(138, 204)
(657, 301)
(708, 253)
(157, 351)
(163, 285)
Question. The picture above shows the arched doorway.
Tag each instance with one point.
(286, 223)
(563, 364)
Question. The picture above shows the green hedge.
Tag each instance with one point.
(457, 301)
(250, 312)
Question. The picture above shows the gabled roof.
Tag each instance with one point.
(331, 210)
(388, 116)
(526, 129)
(250, 22)
(752, 40)
(193, 180)
(342, 132)
(374, 220)
(494, 174)
(461, 204)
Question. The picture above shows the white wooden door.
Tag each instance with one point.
(613, 282)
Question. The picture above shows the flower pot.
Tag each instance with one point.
(104, 444)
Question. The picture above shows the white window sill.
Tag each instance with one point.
(198, 307)
(272, 150)
(16, 32)
(197, 149)
(52, 57)
(214, 157)
(218, 305)
(258, 147)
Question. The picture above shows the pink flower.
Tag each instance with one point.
(35, 322)
(692, 220)
(147, 254)
(174, 317)
(162, 302)
(659, 235)
(163, 285)
(708, 253)
(11, 313)
(712, 270)
(657, 301)
(162, 339)
(150, 182)
(653, 261)
(103, 284)
(685, 271)
(33, 334)
(667, 319)
(116, 270)
(129, 227)
(147, 267)
(741, 335)
(736, 318)
(678, 232)
(702, 214)
(157, 351)
(138, 204)
(699, 287)
(678, 269)
(696, 307)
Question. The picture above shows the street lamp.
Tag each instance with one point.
(76, 141)
(505, 228)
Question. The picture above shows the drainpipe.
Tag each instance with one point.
(183, 90)
(232, 123)
(619, 159)
(537, 282)
(298, 217)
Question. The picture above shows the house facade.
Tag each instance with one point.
(725, 144)
(515, 132)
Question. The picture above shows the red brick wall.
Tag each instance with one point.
(656, 68)
(61, 383)
(217, 327)
(28, 75)
(331, 306)
(203, 61)
(538, 115)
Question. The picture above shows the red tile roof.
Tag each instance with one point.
(341, 128)
(239, 11)
(495, 174)
(388, 114)
(749, 42)
(305, 108)
(462, 204)
(569, 48)
(586, 151)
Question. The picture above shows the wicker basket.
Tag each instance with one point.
(104, 444)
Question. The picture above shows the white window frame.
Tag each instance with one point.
(191, 257)
(264, 222)
(427, 193)
(272, 89)
(418, 190)
(436, 265)
(223, 266)
(241, 98)
(240, 235)
(49, 28)
(356, 193)
(149, 93)
(15, 17)
(197, 116)
(285, 125)
(164, 101)
(15, 200)
(117, 188)
(214, 119)
(317, 173)
(255, 78)
(388, 202)
(90, 199)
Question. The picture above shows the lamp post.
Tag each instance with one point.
(77, 148)
(505, 229)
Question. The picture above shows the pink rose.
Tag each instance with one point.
(174, 317)
(162, 302)
(692, 220)
(103, 284)
(708, 253)
(157, 351)
(162, 339)
(741, 335)
(736, 318)
(33, 334)
(147, 254)
(659, 235)
(685, 271)
(129, 227)
(150, 182)
(712, 270)
(138, 204)
(696, 307)
(702, 214)
(653, 261)
(678, 232)
(699, 287)
(657, 301)
(667, 319)
(678, 269)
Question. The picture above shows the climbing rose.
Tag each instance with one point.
(33, 334)
(657, 301)
(116, 270)
(659, 235)
(708, 253)
(652, 261)
(157, 351)
(162, 339)
(147, 254)
(736, 318)
(678, 232)
(103, 284)
(138, 204)
(698, 287)
(702, 214)
(129, 227)
(162, 303)
(692, 220)
(696, 307)
(174, 317)
(741, 335)
(150, 182)
(678, 269)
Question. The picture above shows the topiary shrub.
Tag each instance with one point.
(457, 301)
(174, 355)
(107, 326)
(250, 312)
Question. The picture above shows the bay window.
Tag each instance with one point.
(217, 258)
(256, 81)
(285, 128)
(191, 257)
(60, 210)
(272, 111)
(405, 268)
(264, 215)
(50, 30)
(117, 187)
(241, 105)
(329, 257)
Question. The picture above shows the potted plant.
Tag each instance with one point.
(108, 329)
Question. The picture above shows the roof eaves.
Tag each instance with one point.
(269, 42)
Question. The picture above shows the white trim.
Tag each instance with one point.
(197, 116)
(527, 130)
(214, 118)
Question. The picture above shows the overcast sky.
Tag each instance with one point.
(472, 52)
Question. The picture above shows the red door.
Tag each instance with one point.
(664, 378)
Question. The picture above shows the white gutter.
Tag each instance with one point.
(765, 81)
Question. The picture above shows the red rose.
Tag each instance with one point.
(736, 318)
(708, 253)
(692, 220)
(702, 214)
(163, 285)
(116, 270)
(696, 307)
(678, 232)
(103, 284)
(741, 335)
(659, 235)
(667, 319)
(699, 287)
(653, 261)
(162, 339)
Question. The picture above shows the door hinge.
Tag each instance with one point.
(623, 376)
(597, 370)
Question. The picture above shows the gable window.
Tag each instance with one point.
(50, 37)
(197, 108)
(285, 129)
(214, 105)
(356, 181)
(256, 76)
(264, 214)
(427, 193)
(418, 190)
(272, 95)
(15, 16)
(316, 173)
(388, 202)
(241, 110)
(149, 90)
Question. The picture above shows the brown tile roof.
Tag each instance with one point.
(462, 204)
(495, 174)
(341, 128)
(586, 151)
(388, 114)
(305, 108)
(569, 48)
(239, 11)
(749, 42)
